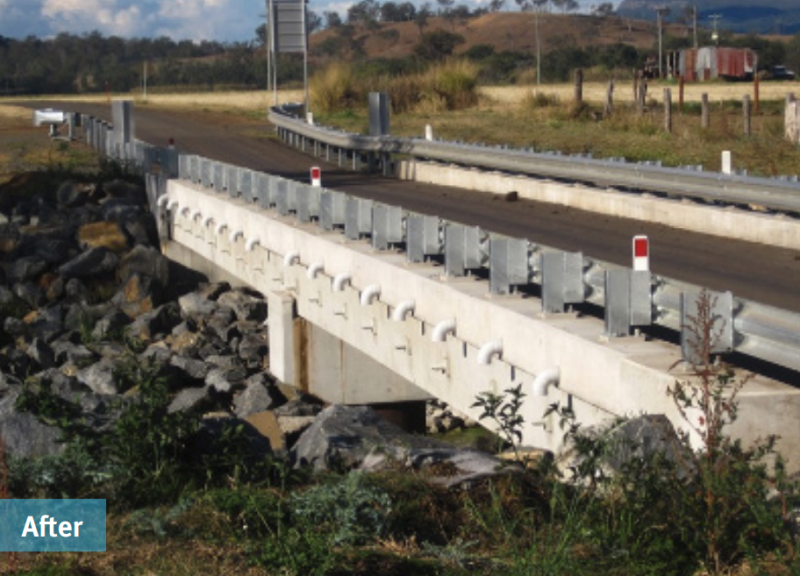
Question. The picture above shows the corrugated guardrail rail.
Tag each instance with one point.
(780, 194)
(629, 298)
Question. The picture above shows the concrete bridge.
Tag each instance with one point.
(353, 319)
(356, 325)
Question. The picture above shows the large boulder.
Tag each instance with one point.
(631, 440)
(23, 434)
(357, 437)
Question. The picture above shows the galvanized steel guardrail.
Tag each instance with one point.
(779, 194)
(629, 298)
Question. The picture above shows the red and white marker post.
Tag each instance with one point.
(641, 254)
(316, 176)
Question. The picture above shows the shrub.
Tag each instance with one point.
(451, 85)
(335, 88)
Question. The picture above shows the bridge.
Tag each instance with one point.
(371, 304)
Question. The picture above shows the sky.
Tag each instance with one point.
(218, 20)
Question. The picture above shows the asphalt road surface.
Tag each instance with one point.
(753, 271)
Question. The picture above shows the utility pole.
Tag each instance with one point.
(145, 78)
(538, 53)
(715, 34)
(694, 27)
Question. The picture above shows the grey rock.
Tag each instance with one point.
(76, 354)
(71, 194)
(30, 293)
(91, 262)
(160, 321)
(635, 439)
(157, 352)
(343, 436)
(254, 348)
(51, 250)
(25, 269)
(15, 362)
(222, 324)
(196, 369)
(245, 305)
(225, 379)
(41, 353)
(8, 382)
(15, 328)
(192, 400)
(110, 325)
(301, 406)
(100, 377)
(145, 261)
(223, 361)
(49, 323)
(23, 434)
(76, 290)
(196, 307)
(257, 397)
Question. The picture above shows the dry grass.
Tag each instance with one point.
(595, 92)
(14, 116)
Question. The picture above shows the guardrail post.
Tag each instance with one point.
(462, 249)
(628, 301)
(358, 218)
(508, 264)
(424, 236)
(387, 226)
(332, 209)
(562, 280)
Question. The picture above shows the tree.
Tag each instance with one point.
(496, 5)
(333, 20)
(365, 12)
(437, 45)
(421, 18)
(313, 21)
(603, 10)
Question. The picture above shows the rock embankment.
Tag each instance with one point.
(87, 302)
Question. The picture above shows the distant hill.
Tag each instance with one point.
(758, 16)
(506, 31)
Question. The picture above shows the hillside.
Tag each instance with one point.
(506, 31)
(763, 17)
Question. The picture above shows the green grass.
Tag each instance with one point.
(624, 134)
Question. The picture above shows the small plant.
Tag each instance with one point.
(728, 508)
(354, 510)
(504, 411)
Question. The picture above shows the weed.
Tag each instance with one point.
(504, 411)
(353, 509)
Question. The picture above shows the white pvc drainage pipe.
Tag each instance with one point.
(403, 309)
(251, 244)
(314, 269)
(340, 281)
(442, 329)
(369, 294)
(545, 379)
(290, 259)
(489, 351)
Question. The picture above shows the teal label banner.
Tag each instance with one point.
(52, 525)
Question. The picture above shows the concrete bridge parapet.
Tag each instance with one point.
(355, 325)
